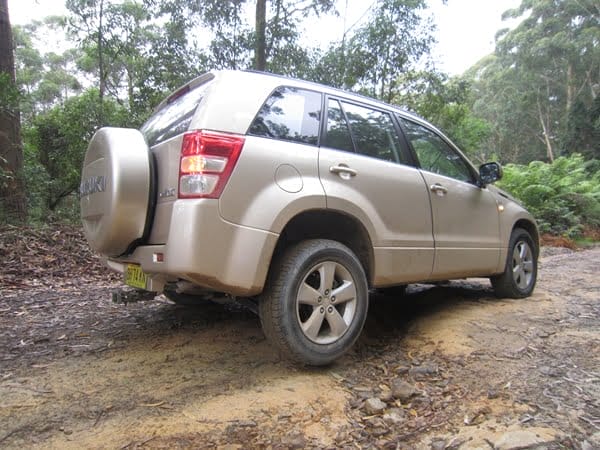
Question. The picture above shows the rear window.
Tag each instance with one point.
(175, 117)
(289, 114)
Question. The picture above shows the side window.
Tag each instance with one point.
(289, 114)
(338, 133)
(434, 154)
(374, 132)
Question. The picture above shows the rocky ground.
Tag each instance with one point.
(445, 367)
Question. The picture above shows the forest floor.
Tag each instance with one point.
(445, 367)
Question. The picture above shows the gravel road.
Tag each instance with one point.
(444, 367)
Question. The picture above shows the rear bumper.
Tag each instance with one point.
(207, 250)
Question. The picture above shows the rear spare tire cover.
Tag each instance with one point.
(115, 189)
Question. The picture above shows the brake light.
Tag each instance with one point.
(207, 161)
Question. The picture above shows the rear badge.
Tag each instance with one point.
(92, 185)
(167, 193)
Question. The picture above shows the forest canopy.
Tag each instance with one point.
(535, 98)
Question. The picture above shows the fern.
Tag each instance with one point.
(564, 196)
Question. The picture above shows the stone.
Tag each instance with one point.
(525, 438)
(595, 439)
(402, 390)
(246, 423)
(386, 396)
(549, 371)
(438, 444)
(585, 445)
(296, 440)
(374, 406)
(401, 370)
(492, 394)
(424, 370)
(394, 416)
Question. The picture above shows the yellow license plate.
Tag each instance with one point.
(135, 277)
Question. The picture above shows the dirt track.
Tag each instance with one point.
(77, 371)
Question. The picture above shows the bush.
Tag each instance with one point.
(54, 148)
(564, 196)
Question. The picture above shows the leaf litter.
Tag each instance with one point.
(445, 367)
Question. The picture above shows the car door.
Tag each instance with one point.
(363, 170)
(466, 223)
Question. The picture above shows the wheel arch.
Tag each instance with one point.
(531, 228)
(333, 225)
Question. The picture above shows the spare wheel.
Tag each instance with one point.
(115, 190)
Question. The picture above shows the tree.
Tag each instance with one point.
(260, 48)
(543, 80)
(58, 139)
(136, 50)
(12, 195)
(270, 43)
(373, 58)
(447, 104)
(391, 43)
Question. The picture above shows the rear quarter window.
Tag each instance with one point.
(175, 117)
(289, 114)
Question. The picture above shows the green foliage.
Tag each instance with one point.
(564, 196)
(394, 39)
(55, 146)
(9, 94)
(446, 103)
(137, 51)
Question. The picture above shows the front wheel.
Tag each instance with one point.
(520, 272)
(315, 302)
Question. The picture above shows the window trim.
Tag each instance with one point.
(326, 119)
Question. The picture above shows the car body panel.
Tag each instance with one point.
(208, 251)
(466, 228)
(391, 201)
(272, 182)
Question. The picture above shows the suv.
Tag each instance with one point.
(300, 197)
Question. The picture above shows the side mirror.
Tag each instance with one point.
(489, 172)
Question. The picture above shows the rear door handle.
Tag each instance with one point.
(343, 171)
(438, 189)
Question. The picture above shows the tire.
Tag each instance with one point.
(301, 310)
(116, 190)
(520, 272)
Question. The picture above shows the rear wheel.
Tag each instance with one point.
(520, 272)
(315, 303)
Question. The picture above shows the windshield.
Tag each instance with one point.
(175, 117)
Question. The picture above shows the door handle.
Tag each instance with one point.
(343, 171)
(438, 189)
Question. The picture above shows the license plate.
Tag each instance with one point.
(135, 277)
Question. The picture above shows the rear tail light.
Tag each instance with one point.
(207, 160)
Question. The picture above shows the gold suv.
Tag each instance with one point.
(301, 198)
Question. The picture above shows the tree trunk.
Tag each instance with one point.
(101, 73)
(545, 131)
(260, 49)
(13, 205)
(570, 88)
